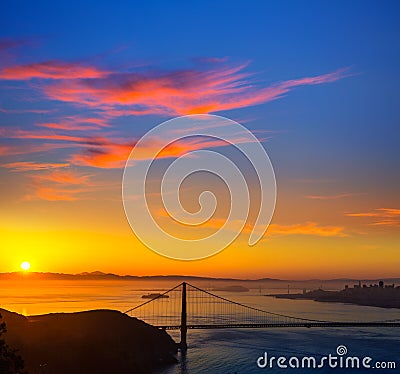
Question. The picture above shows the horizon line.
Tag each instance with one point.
(98, 273)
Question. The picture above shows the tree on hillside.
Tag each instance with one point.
(10, 361)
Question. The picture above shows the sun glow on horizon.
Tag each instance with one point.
(25, 266)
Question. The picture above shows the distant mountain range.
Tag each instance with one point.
(98, 275)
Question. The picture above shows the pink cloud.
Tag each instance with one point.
(50, 70)
(178, 92)
(220, 87)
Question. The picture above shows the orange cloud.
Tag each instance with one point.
(54, 194)
(64, 177)
(379, 212)
(112, 154)
(106, 156)
(50, 70)
(329, 197)
(386, 223)
(384, 216)
(58, 185)
(101, 151)
(308, 228)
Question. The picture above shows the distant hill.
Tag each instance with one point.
(98, 341)
(98, 275)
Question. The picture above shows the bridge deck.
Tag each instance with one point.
(277, 325)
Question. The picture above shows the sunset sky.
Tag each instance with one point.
(316, 81)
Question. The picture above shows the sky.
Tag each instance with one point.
(316, 82)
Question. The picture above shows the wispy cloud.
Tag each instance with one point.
(32, 166)
(59, 185)
(212, 85)
(382, 216)
(54, 193)
(101, 151)
(308, 228)
(330, 197)
(14, 133)
(22, 111)
(206, 88)
(65, 177)
(51, 70)
(6, 44)
(379, 212)
(177, 92)
(76, 123)
(111, 152)
(29, 148)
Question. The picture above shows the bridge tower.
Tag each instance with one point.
(183, 343)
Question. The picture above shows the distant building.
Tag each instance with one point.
(358, 285)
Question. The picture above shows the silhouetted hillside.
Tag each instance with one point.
(98, 341)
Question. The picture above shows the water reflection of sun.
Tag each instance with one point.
(25, 266)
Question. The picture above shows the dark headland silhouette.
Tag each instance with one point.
(378, 295)
(98, 341)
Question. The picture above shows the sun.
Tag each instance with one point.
(25, 266)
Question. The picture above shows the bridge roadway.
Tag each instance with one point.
(274, 325)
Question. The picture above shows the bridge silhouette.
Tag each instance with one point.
(185, 307)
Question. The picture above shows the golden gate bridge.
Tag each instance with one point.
(185, 307)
